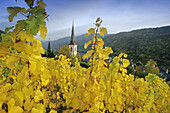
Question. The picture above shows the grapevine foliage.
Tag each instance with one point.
(32, 83)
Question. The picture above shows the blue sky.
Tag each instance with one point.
(117, 15)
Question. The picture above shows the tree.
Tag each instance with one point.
(151, 67)
(78, 56)
(139, 71)
(130, 70)
(64, 50)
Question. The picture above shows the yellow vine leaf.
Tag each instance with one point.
(125, 55)
(4, 50)
(86, 44)
(33, 66)
(38, 109)
(34, 110)
(53, 111)
(43, 32)
(125, 62)
(45, 77)
(2, 96)
(37, 47)
(28, 105)
(90, 31)
(20, 96)
(86, 35)
(103, 31)
(11, 104)
(10, 62)
(38, 96)
(52, 105)
(21, 46)
(26, 36)
(16, 109)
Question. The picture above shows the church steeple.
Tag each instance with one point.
(49, 46)
(73, 45)
(72, 41)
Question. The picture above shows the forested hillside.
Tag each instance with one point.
(140, 45)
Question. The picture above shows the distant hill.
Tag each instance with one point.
(140, 45)
(143, 44)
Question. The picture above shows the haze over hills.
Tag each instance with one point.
(140, 45)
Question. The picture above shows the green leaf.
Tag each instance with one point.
(20, 23)
(30, 3)
(30, 23)
(35, 30)
(24, 10)
(97, 25)
(98, 19)
(8, 28)
(91, 31)
(41, 4)
(13, 12)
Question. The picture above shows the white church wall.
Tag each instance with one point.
(74, 49)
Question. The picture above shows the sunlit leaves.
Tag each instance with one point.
(86, 44)
(10, 62)
(38, 109)
(103, 31)
(125, 62)
(53, 111)
(11, 104)
(90, 31)
(43, 32)
(26, 36)
(38, 96)
(20, 97)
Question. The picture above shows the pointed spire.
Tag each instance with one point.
(72, 41)
(49, 46)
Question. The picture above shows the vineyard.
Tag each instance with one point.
(31, 83)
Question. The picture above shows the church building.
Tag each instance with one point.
(72, 44)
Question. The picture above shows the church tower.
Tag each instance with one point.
(73, 45)
(49, 47)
